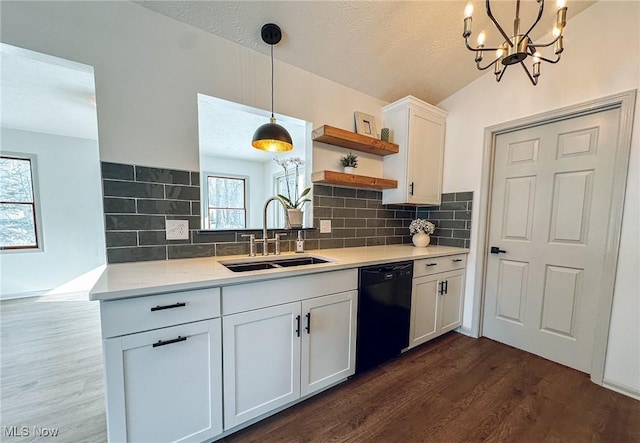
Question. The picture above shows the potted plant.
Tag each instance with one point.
(349, 162)
(293, 201)
(421, 230)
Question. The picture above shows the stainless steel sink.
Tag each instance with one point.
(262, 263)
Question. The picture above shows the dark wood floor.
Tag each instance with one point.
(458, 389)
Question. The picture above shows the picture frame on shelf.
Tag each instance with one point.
(365, 124)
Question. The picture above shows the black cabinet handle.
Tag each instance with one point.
(446, 287)
(457, 260)
(497, 250)
(298, 326)
(432, 264)
(440, 287)
(308, 327)
(168, 342)
(411, 191)
(160, 308)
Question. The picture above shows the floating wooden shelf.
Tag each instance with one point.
(357, 142)
(352, 180)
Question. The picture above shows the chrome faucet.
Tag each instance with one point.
(265, 234)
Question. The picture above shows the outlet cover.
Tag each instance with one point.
(177, 229)
(325, 226)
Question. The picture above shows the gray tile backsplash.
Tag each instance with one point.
(138, 200)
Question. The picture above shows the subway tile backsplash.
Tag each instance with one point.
(138, 200)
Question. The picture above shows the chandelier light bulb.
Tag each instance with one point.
(468, 10)
(499, 52)
(556, 32)
(561, 4)
(481, 38)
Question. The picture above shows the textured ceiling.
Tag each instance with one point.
(386, 49)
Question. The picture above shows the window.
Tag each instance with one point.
(281, 188)
(17, 204)
(227, 202)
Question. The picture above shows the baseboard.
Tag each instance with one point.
(465, 331)
(621, 389)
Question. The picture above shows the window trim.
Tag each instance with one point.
(37, 204)
(205, 203)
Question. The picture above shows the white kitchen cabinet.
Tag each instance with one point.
(261, 361)
(165, 384)
(436, 298)
(328, 341)
(275, 355)
(419, 129)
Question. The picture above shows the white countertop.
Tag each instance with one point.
(154, 277)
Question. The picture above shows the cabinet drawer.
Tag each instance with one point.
(120, 317)
(427, 266)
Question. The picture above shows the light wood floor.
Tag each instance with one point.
(51, 370)
(454, 389)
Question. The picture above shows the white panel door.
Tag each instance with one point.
(166, 384)
(328, 340)
(549, 214)
(261, 361)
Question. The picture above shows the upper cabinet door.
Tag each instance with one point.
(419, 129)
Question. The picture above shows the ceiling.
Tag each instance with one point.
(42, 93)
(386, 49)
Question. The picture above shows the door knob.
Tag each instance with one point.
(497, 250)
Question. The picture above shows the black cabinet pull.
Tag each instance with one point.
(411, 191)
(160, 308)
(308, 327)
(497, 250)
(298, 326)
(432, 264)
(457, 260)
(440, 287)
(446, 287)
(168, 342)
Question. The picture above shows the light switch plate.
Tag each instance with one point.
(177, 229)
(325, 226)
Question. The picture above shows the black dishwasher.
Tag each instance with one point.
(384, 312)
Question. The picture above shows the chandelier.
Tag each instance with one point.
(518, 47)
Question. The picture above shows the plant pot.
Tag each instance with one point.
(294, 218)
(421, 239)
(349, 169)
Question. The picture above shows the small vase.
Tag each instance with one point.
(348, 169)
(294, 218)
(421, 239)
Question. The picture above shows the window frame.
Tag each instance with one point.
(36, 204)
(278, 177)
(206, 203)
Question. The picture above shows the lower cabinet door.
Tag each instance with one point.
(328, 340)
(452, 300)
(261, 361)
(424, 309)
(165, 384)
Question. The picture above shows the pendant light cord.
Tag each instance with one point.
(271, 81)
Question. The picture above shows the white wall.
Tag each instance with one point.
(149, 69)
(72, 216)
(602, 57)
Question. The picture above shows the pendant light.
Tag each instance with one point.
(271, 136)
